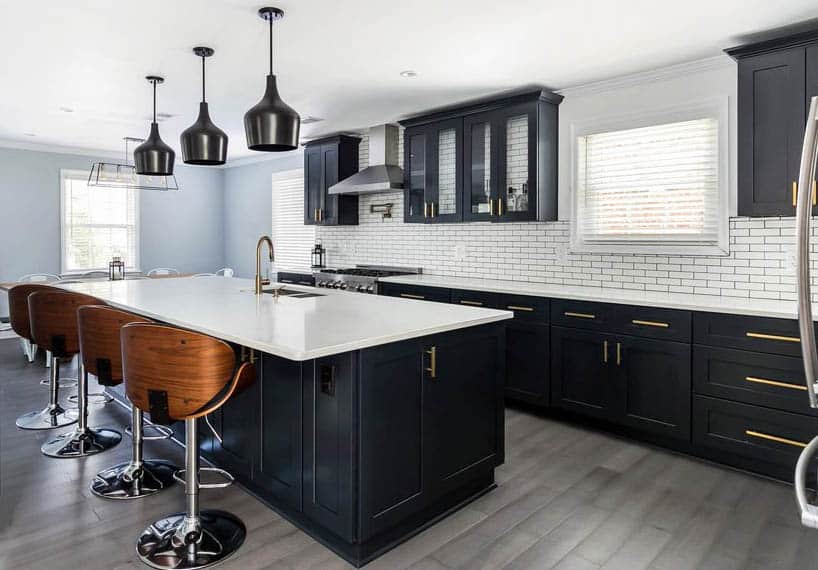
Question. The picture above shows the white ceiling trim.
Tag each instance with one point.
(650, 76)
(59, 149)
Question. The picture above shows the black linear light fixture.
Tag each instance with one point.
(272, 125)
(123, 174)
(153, 157)
(203, 143)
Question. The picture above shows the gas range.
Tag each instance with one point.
(361, 278)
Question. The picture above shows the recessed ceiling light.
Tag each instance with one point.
(409, 73)
(66, 109)
(310, 119)
(30, 134)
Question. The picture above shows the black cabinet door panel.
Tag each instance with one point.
(581, 377)
(771, 117)
(751, 377)
(653, 389)
(527, 361)
(328, 493)
(391, 427)
(463, 393)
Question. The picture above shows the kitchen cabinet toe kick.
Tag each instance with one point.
(365, 449)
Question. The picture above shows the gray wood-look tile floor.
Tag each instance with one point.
(567, 498)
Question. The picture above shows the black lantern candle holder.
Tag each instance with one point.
(318, 256)
(116, 269)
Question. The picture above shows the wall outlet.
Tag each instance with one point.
(460, 252)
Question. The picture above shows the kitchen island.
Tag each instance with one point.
(371, 417)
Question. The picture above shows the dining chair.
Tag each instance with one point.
(225, 272)
(204, 275)
(163, 271)
(95, 273)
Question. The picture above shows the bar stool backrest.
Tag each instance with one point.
(100, 345)
(18, 307)
(53, 317)
(175, 374)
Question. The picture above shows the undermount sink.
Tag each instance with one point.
(284, 292)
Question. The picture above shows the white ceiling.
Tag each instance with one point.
(338, 60)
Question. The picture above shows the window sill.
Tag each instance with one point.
(650, 249)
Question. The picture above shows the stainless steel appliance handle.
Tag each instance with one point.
(802, 230)
(809, 512)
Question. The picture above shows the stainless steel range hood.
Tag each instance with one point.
(383, 173)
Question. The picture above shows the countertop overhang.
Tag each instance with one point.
(293, 328)
(682, 301)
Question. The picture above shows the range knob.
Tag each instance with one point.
(370, 289)
(342, 286)
(360, 288)
(322, 283)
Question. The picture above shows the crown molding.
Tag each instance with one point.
(650, 76)
(265, 157)
(59, 149)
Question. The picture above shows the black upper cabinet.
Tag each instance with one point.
(776, 78)
(327, 162)
(433, 178)
(506, 150)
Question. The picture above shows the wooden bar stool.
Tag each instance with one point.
(53, 319)
(182, 375)
(101, 353)
(18, 314)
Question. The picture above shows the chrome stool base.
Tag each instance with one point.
(79, 443)
(49, 418)
(180, 542)
(127, 481)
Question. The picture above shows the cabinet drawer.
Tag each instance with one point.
(436, 294)
(770, 439)
(752, 377)
(582, 314)
(476, 299)
(667, 324)
(296, 278)
(760, 334)
(527, 308)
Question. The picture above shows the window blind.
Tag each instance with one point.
(292, 238)
(649, 184)
(97, 224)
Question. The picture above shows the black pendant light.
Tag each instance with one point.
(153, 157)
(271, 125)
(203, 143)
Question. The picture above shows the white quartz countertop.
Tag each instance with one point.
(297, 329)
(688, 302)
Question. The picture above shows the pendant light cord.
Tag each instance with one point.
(203, 79)
(271, 44)
(154, 99)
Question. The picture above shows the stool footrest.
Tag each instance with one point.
(164, 432)
(180, 478)
(94, 399)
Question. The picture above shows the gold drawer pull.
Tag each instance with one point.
(775, 383)
(650, 323)
(410, 296)
(605, 352)
(475, 303)
(772, 337)
(794, 194)
(520, 308)
(432, 370)
(774, 438)
(579, 315)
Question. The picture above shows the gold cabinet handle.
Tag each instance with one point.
(520, 308)
(618, 353)
(491, 206)
(579, 315)
(432, 370)
(499, 206)
(605, 351)
(433, 209)
(410, 296)
(774, 438)
(765, 336)
(475, 303)
(814, 196)
(426, 209)
(775, 383)
(794, 194)
(650, 323)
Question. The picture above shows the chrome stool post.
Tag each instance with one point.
(82, 441)
(138, 477)
(193, 539)
(53, 415)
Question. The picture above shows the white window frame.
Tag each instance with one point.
(67, 173)
(288, 175)
(716, 108)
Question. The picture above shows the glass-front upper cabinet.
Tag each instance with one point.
(432, 171)
(480, 168)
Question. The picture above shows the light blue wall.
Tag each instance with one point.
(248, 208)
(182, 229)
